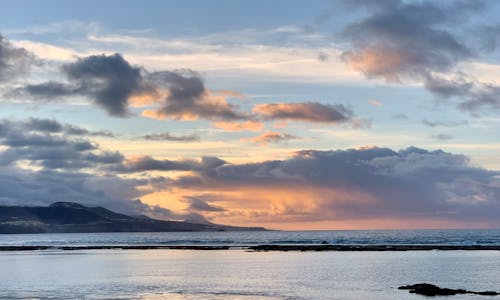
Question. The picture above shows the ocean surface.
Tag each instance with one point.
(241, 274)
(248, 238)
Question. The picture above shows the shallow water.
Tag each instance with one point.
(237, 274)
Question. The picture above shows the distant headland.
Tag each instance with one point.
(71, 217)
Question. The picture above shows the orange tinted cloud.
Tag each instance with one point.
(230, 94)
(377, 62)
(270, 137)
(304, 111)
(206, 105)
(280, 206)
(240, 126)
(148, 98)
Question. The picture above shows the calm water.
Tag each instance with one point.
(238, 274)
(355, 237)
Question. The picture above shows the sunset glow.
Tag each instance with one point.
(332, 115)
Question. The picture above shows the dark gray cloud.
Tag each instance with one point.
(75, 130)
(14, 61)
(188, 98)
(410, 183)
(166, 136)
(51, 91)
(49, 126)
(109, 80)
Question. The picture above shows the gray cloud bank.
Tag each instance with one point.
(40, 164)
(372, 183)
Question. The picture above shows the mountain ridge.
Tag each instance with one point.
(72, 217)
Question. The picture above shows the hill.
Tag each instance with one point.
(70, 217)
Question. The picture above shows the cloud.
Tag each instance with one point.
(322, 56)
(239, 126)
(115, 85)
(473, 95)
(40, 164)
(400, 117)
(148, 163)
(109, 80)
(400, 41)
(50, 126)
(305, 111)
(165, 136)
(361, 184)
(200, 203)
(271, 137)
(442, 137)
(189, 99)
(40, 188)
(54, 152)
(14, 61)
(43, 161)
(50, 145)
(443, 124)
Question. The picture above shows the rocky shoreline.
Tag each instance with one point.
(262, 248)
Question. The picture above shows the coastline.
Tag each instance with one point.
(263, 248)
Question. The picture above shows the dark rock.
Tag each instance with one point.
(428, 289)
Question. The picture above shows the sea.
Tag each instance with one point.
(238, 273)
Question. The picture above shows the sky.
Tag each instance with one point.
(295, 115)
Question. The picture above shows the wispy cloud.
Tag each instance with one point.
(166, 136)
(270, 137)
(239, 126)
